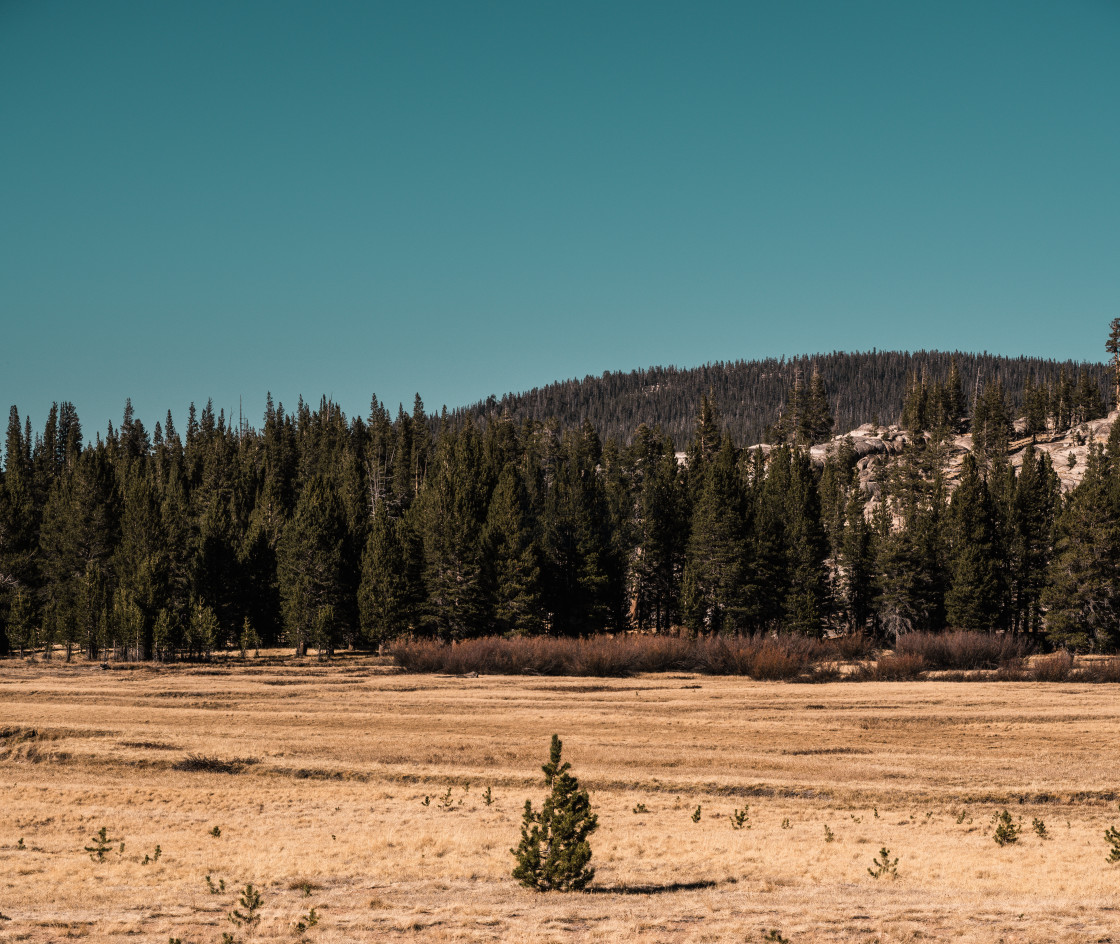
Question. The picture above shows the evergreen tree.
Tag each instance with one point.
(554, 852)
(1082, 597)
(309, 560)
(513, 558)
(975, 593)
(385, 597)
(713, 583)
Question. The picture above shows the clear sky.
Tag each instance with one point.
(219, 199)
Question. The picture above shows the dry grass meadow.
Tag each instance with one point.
(325, 807)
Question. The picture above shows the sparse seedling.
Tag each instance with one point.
(154, 857)
(741, 819)
(1112, 837)
(216, 832)
(696, 814)
(426, 801)
(774, 936)
(306, 889)
(640, 809)
(786, 824)
(857, 819)
(884, 865)
(20, 845)
(961, 816)
(250, 903)
(487, 797)
(101, 845)
(1040, 828)
(308, 921)
(446, 801)
(829, 835)
(215, 889)
(1007, 830)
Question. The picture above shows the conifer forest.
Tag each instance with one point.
(318, 531)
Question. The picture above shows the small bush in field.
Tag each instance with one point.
(1112, 837)
(696, 814)
(1006, 831)
(249, 912)
(554, 851)
(883, 864)
(829, 835)
(640, 808)
(216, 832)
(487, 797)
(899, 667)
(101, 845)
(1055, 667)
(215, 889)
(741, 819)
(774, 936)
(1040, 828)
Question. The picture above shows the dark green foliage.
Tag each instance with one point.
(101, 845)
(1112, 837)
(883, 864)
(250, 905)
(975, 597)
(554, 851)
(1006, 831)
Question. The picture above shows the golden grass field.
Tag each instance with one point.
(331, 814)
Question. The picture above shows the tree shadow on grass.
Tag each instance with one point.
(656, 889)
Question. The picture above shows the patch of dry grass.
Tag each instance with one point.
(331, 814)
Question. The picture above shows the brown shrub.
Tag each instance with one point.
(852, 648)
(963, 650)
(760, 657)
(1099, 670)
(894, 667)
(1055, 667)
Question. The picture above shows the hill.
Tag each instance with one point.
(862, 387)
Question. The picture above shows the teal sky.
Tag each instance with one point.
(219, 199)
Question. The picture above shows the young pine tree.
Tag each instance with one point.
(554, 853)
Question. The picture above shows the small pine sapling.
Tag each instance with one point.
(884, 865)
(1112, 837)
(829, 835)
(487, 797)
(1040, 828)
(251, 902)
(101, 845)
(696, 814)
(786, 824)
(1007, 830)
(774, 936)
(554, 851)
(216, 832)
(307, 922)
(741, 819)
(20, 845)
(640, 808)
(215, 889)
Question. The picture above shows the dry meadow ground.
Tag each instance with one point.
(331, 812)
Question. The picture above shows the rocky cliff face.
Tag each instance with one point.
(875, 447)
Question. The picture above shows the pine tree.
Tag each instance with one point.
(713, 582)
(975, 593)
(554, 852)
(513, 558)
(385, 597)
(309, 560)
(1081, 600)
(1112, 346)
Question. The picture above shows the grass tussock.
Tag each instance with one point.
(205, 763)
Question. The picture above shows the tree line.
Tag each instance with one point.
(319, 531)
(753, 394)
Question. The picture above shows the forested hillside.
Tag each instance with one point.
(751, 394)
(322, 531)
